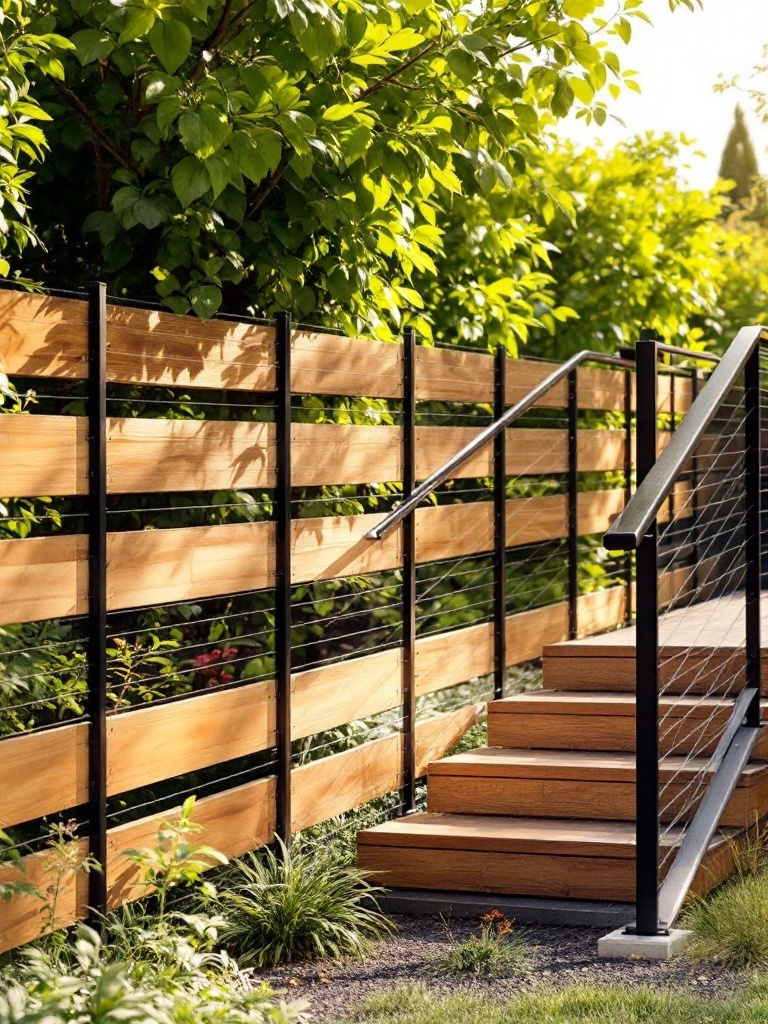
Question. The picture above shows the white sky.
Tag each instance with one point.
(678, 62)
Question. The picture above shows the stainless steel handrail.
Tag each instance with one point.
(515, 412)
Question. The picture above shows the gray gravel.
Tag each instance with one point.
(564, 956)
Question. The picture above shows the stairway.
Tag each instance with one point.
(547, 809)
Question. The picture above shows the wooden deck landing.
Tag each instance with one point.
(547, 808)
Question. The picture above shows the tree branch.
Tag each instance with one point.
(267, 188)
(97, 132)
(212, 41)
(393, 75)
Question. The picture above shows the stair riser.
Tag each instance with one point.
(610, 733)
(678, 675)
(515, 874)
(579, 800)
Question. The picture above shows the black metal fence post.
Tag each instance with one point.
(500, 529)
(647, 656)
(409, 573)
(627, 570)
(573, 506)
(97, 593)
(695, 496)
(753, 552)
(283, 576)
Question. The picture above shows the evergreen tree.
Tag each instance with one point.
(738, 161)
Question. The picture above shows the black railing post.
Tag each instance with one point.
(409, 573)
(627, 572)
(573, 506)
(283, 575)
(647, 656)
(97, 595)
(500, 528)
(695, 497)
(753, 552)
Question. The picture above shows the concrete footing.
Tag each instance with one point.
(617, 944)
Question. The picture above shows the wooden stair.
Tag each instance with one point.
(547, 809)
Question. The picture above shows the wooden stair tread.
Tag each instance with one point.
(572, 702)
(607, 766)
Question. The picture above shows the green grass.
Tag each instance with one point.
(731, 927)
(498, 951)
(416, 1004)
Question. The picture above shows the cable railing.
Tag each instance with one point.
(704, 648)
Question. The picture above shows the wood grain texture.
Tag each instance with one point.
(328, 364)
(43, 455)
(158, 742)
(148, 567)
(43, 336)
(43, 772)
(335, 546)
(43, 578)
(324, 697)
(531, 451)
(449, 375)
(151, 347)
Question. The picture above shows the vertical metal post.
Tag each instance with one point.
(753, 546)
(97, 593)
(283, 575)
(409, 573)
(647, 656)
(573, 506)
(500, 529)
(695, 496)
(628, 602)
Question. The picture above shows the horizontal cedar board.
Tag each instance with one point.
(46, 577)
(43, 773)
(48, 454)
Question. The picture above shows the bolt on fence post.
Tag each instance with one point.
(627, 571)
(283, 575)
(409, 573)
(647, 655)
(753, 546)
(97, 595)
(573, 506)
(500, 528)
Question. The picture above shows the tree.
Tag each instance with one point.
(738, 162)
(300, 155)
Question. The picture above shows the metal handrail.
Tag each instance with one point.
(515, 412)
(634, 522)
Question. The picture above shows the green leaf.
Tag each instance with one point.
(140, 21)
(190, 180)
(257, 152)
(171, 41)
(405, 39)
(219, 173)
(203, 131)
(205, 299)
(579, 8)
(462, 64)
(562, 98)
(92, 44)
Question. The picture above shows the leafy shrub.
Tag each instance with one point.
(498, 951)
(731, 927)
(90, 989)
(298, 904)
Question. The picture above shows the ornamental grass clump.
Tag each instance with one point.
(294, 905)
(731, 927)
(497, 952)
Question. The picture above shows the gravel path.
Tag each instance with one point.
(564, 956)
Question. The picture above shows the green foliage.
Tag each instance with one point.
(738, 163)
(303, 155)
(18, 886)
(417, 1004)
(498, 951)
(29, 52)
(83, 984)
(731, 926)
(175, 860)
(299, 904)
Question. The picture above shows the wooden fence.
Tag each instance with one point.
(46, 577)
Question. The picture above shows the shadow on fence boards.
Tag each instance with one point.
(188, 603)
